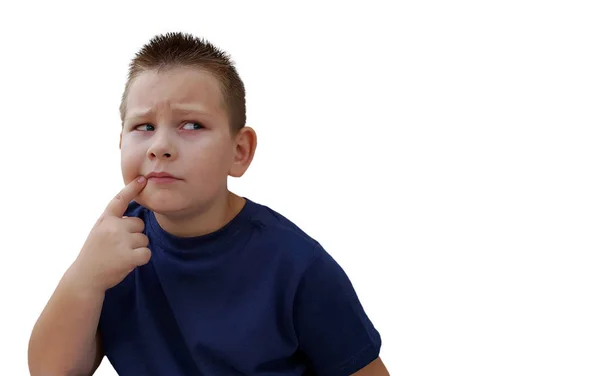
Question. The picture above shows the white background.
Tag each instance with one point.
(446, 153)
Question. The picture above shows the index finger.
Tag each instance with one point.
(118, 205)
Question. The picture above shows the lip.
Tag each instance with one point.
(161, 177)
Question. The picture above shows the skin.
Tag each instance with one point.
(375, 368)
(176, 122)
(64, 340)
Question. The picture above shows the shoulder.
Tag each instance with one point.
(286, 245)
(275, 221)
(332, 328)
(280, 234)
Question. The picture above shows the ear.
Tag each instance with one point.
(120, 139)
(244, 146)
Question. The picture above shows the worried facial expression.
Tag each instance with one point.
(176, 133)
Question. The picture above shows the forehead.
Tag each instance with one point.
(153, 91)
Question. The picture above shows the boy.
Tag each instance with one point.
(179, 276)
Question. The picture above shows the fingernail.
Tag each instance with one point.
(141, 179)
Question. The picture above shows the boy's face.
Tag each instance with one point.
(176, 123)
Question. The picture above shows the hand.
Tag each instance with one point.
(116, 244)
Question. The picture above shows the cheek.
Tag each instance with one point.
(208, 167)
(213, 151)
(130, 164)
(220, 158)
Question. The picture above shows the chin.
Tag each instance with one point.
(163, 202)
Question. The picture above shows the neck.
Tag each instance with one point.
(210, 219)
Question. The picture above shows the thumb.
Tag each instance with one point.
(118, 205)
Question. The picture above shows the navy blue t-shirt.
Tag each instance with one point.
(257, 297)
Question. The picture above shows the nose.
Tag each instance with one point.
(162, 147)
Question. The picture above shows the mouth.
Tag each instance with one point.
(161, 177)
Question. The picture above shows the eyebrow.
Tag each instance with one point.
(183, 107)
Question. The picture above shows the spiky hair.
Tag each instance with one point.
(174, 50)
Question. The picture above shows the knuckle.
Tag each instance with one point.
(111, 227)
(146, 254)
(135, 220)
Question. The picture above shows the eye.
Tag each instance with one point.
(144, 127)
(192, 126)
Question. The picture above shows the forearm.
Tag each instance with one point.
(63, 340)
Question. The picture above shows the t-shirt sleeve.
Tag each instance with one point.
(331, 325)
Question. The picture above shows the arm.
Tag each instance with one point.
(375, 368)
(64, 340)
